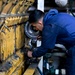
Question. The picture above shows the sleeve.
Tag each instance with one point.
(39, 52)
(49, 35)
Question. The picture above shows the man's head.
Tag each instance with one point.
(36, 19)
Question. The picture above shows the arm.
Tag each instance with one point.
(49, 36)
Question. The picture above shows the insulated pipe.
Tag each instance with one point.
(40, 5)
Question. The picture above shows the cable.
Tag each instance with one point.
(40, 71)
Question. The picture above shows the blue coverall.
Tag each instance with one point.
(58, 28)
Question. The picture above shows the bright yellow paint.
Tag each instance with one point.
(31, 69)
(7, 42)
(17, 64)
(20, 36)
(12, 34)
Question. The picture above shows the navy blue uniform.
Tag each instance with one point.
(58, 28)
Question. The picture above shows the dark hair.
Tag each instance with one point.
(35, 15)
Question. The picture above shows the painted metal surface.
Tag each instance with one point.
(7, 42)
(31, 69)
(12, 26)
(13, 65)
(12, 18)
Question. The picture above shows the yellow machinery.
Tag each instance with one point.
(13, 27)
(12, 37)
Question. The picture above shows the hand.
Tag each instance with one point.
(29, 53)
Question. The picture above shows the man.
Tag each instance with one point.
(56, 28)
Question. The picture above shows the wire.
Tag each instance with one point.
(40, 71)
